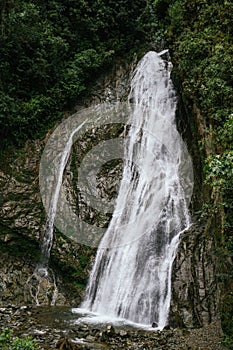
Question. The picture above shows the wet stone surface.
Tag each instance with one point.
(58, 328)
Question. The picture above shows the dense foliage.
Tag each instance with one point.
(8, 342)
(50, 51)
(200, 34)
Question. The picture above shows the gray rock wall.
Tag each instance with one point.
(22, 219)
(22, 215)
(195, 294)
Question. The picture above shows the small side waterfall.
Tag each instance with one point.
(47, 241)
(131, 276)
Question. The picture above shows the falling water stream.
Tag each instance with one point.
(131, 276)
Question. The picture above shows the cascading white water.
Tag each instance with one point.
(47, 240)
(131, 278)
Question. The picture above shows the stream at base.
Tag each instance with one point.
(57, 326)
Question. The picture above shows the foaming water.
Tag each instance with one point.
(131, 276)
(85, 316)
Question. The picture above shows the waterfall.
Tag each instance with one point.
(47, 240)
(131, 276)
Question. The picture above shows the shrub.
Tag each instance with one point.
(8, 342)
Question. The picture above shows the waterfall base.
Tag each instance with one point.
(93, 318)
(50, 326)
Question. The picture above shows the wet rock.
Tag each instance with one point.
(123, 333)
(90, 338)
(167, 327)
(65, 344)
(195, 294)
(51, 328)
(111, 330)
(162, 340)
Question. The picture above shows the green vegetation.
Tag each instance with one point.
(8, 342)
(200, 35)
(52, 50)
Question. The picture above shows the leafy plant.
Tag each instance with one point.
(8, 342)
(50, 51)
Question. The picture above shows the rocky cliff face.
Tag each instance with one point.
(195, 293)
(22, 215)
(22, 219)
